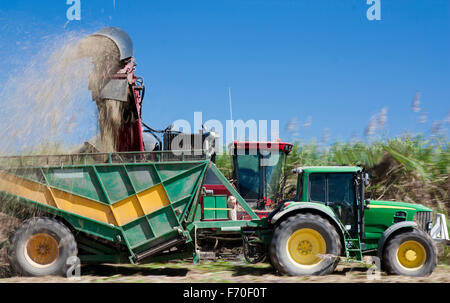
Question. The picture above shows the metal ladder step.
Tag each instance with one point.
(355, 251)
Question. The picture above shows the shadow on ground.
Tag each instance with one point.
(111, 270)
(5, 271)
(244, 270)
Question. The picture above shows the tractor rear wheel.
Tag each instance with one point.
(305, 244)
(41, 247)
(410, 253)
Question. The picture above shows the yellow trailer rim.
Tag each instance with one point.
(41, 250)
(304, 247)
(411, 255)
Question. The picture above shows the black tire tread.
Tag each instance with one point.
(388, 266)
(303, 217)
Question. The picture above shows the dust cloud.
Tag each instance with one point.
(46, 105)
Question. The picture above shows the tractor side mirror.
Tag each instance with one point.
(366, 179)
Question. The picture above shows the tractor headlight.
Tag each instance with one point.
(429, 226)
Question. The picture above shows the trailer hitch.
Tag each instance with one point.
(254, 250)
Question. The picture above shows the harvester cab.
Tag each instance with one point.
(257, 175)
(258, 168)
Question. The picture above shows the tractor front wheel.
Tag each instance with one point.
(41, 247)
(305, 244)
(410, 253)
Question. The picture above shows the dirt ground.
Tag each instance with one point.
(220, 271)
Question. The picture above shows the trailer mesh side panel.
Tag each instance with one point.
(101, 158)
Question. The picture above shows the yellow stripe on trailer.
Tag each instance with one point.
(27, 189)
(117, 214)
(84, 207)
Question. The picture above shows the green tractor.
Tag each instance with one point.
(330, 217)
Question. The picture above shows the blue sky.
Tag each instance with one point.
(282, 59)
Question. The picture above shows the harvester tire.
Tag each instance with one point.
(410, 253)
(305, 244)
(41, 247)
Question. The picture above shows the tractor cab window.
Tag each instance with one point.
(338, 191)
(341, 192)
(299, 194)
(317, 191)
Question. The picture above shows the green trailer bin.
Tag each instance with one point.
(215, 208)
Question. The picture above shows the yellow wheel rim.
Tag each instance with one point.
(41, 250)
(305, 246)
(411, 255)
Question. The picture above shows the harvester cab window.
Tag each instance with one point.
(211, 178)
(249, 176)
(272, 176)
(258, 170)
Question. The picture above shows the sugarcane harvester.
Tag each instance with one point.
(126, 204)
(115, 88)
(119, 93)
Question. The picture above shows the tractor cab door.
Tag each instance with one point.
(338, 191)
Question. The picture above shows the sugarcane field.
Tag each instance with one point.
(197, 143)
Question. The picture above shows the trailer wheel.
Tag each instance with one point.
(40, 247)
(410, 253)
(305, 244)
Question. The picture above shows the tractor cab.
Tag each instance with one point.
(338, 187)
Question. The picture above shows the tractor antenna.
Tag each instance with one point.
(231, 111)
(229, 101)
